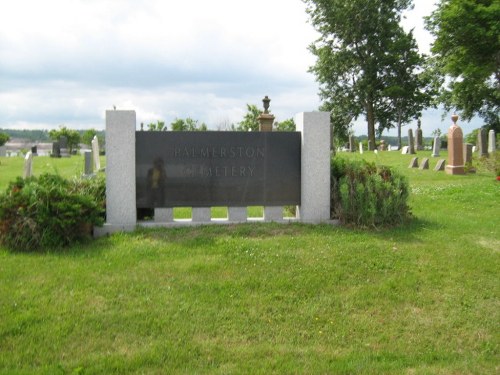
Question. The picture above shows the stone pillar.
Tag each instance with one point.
(481, 142)
(360, 147)
(455, 149)
(411, 142)
(492, 142)
(315, 166)
(436, 147)
(420, 139)
(95, 154)
(28, 165)
(120, 169)
(266, 119)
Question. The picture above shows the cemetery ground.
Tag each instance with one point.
(421, 298)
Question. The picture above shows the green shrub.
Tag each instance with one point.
(366, 195)
(50, 211)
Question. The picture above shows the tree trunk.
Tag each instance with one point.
(399, 131)
(370, 118)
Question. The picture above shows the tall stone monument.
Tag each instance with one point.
(492, 142)
(266, 119)
(481, 142)
(420, 140)
(411, 142)
(436, 147)
(95, 154)
(28, 165)
(455, 149)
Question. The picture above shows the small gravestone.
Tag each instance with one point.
(404, 150)
(56, 150)
(455, 149)
(352, 148)
(425, 163)
(360, 148)
(468, 158)
(413, 163)
(474, 149)
(34, 150)
(88, 163)
(420, 141)
(63, 144)
(436, 147)
(482, 143)
(28, 165)
(383, 146)
(440, 165)
(411, 142)
(95, 154)
(492, 142)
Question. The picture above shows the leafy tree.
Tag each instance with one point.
(159, 126)
(188, 124)
(467, 51)
(72, 136)
(360, 47)
(4, 138)
(285, 126)
(250, 120)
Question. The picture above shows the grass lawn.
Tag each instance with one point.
(422, 298)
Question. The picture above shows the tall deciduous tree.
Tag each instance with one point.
(354, 63)
(71, 135)
(250, 120)
(467, 49)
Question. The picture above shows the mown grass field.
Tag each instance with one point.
(422, 298)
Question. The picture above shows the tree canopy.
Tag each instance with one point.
(73, 136)
(4, 138)
(366, 63)
(188, 124)
(467, 54)
(250, 121)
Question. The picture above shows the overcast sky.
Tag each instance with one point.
(67, 61)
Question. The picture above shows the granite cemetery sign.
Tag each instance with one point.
(204, 169)
(163, 170)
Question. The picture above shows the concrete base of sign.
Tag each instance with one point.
(202, 214)
(237, 214)
(164, 215)
(273, 213)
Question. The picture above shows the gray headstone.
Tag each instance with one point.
(481, 142)
(56, 150)
(411, 142)
(63, 144)
(34, 150)
(28, 165)
(436, 147)
(440, 165)
(413, 163)
(492, 142)
(419, 139)
(468, 153)
(425, 163)
(88, 163)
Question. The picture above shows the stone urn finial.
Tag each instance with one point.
(454, 118)
(266, 102)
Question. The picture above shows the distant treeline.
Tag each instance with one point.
(37, 135)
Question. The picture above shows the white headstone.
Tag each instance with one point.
(436, 147)
(404, 150)
(28, 165)
(491, 141)
(360, 147)
(95, 154)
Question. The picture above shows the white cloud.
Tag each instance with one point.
(67, 61)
